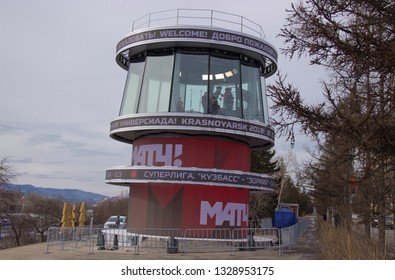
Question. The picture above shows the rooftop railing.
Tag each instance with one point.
(199, 17)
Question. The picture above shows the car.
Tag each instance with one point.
(375, 223)
(116, 222)
(389, 222)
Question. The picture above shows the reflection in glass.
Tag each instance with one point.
(155, 91)
(132, 88)
(252, 98)
(264, 101)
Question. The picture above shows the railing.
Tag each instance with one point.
(70, 237)
(199, 17)
(174, 241)
(207, 240)
(289, 235)
(248, 239)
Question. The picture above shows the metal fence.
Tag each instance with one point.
(199, 17)
(173, 241)
(207, 240)
(247, 239)
(76, 237)
(289, 235)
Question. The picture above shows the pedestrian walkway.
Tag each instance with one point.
(308, 244)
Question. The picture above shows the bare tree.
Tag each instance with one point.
(43, 212)
(6, 172)
(111, 207)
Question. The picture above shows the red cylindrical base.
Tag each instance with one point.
(189, 206)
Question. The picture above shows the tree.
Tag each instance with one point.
(43, 212)
(262, 204)
(287, 190)
(6, 172)
(10, 207)
(355, 41)
(111, 207)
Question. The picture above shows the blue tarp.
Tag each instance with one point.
(284, 217)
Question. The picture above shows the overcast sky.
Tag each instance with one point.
(60, 86)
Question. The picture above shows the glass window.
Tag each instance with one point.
(224, 97)
(155, 91)
(190, 82)
(201, 81)
(252, 96)
(264, 99)
(132, 88)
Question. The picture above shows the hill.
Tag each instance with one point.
(70, 195)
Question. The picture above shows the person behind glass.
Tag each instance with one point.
(214, 107)
(180, 105)
(228, 101)
(206, 100)
(217, 93)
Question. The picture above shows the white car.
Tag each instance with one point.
(116, 222)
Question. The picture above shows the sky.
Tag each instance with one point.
(60, 86)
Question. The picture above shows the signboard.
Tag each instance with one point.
(210, 177)
(197, 35)
(257, 131)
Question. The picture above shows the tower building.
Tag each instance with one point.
(193, 107)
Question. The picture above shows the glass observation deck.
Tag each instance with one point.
(204, 64)
(195, 81)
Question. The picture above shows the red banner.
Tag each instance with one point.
(191, 152)
(158, 205)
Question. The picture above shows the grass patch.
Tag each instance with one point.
(339, 243)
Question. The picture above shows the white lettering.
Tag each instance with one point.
(234, 213)
(157, 155)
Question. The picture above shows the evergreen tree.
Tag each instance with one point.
(262, 204)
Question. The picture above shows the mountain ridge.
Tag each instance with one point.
(69, 195)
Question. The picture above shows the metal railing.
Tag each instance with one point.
(289, 235)
(173, 241)
(207, 240)
(248, 239)
(199, 17)
(70, 237)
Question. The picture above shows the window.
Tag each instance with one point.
(189, 82)
(195, 81)
(251, 93)
(264, 103)
(224, 98)
(132, 88)
(155, 91)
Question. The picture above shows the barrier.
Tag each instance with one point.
(249, 239)
(76, 237)
(207, 240)
(289, 235)
(158, 240)
(173, 241)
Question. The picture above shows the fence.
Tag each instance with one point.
(289, 235)
(76, 237)
(175, 241)
(199, 17)
(207, 240)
